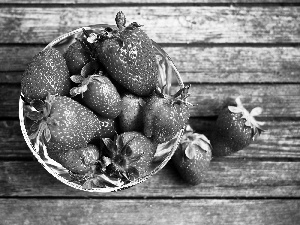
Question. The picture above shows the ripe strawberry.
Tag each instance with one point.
(164, 115)
(128, 56)
(130, 154)
(131, 116)
(79, 161)
(193, 156)
(99, 94)
(47, 72)
(63, 124)
(235, 129)
(77, 55)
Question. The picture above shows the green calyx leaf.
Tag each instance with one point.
(34, 129)
(50, 99)
(179, 97)
(133, 26)
(38, 129)
(192, 142)
(125, 149)
(77, 79)
(32, 114)
(142, 102)
(38, 109)
(47, 134)
(190, 151)
(83, 83)
(37, 104)
(109, 144)
(120, 153)
(132, 173)
(120, 20)
(249, 117)
(78, 90)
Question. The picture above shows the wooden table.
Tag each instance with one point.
(225, 49)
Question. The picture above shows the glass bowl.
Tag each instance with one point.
(168, 77)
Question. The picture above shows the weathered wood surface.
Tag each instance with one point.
(277, 100)
(280, 141)
(137, 2)
(168, 24)
(226, 48)
(199, 64)
(156, 211)
(225, 178)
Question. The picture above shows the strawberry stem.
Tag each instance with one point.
(159, 92)
(183, 92)
(120, 20)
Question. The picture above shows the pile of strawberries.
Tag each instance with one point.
(98, 109)
(97, 106)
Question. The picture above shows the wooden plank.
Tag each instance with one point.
(224, 178)
(9, 106)
(168, 24)
(199, 64)
(280, 141)
(124, 2)
(154, 211)
(17, 58)
(11, 77)
(277, 100)
(12, 143)
(237, 64)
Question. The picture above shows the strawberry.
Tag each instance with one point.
(164, 115)
(128, 56)
(77, 55)
(80, 161)
(83, 165)
(63, 124)
(192, 157)
(235, 129)
(131, 116)
(99, 94)
(130, 154)
(47, 72)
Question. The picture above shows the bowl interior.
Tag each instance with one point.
(168, 77)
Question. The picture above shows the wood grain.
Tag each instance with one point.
(137, 2)
(168, 24)
(11, 77)
(225, 48)
(12, 143)
(276, 100)
(199, 64)
(202, 211)
(225, 178)
(281, 140)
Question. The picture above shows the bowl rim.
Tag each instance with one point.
(98, 189)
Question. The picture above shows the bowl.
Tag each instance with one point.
(168, 77)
